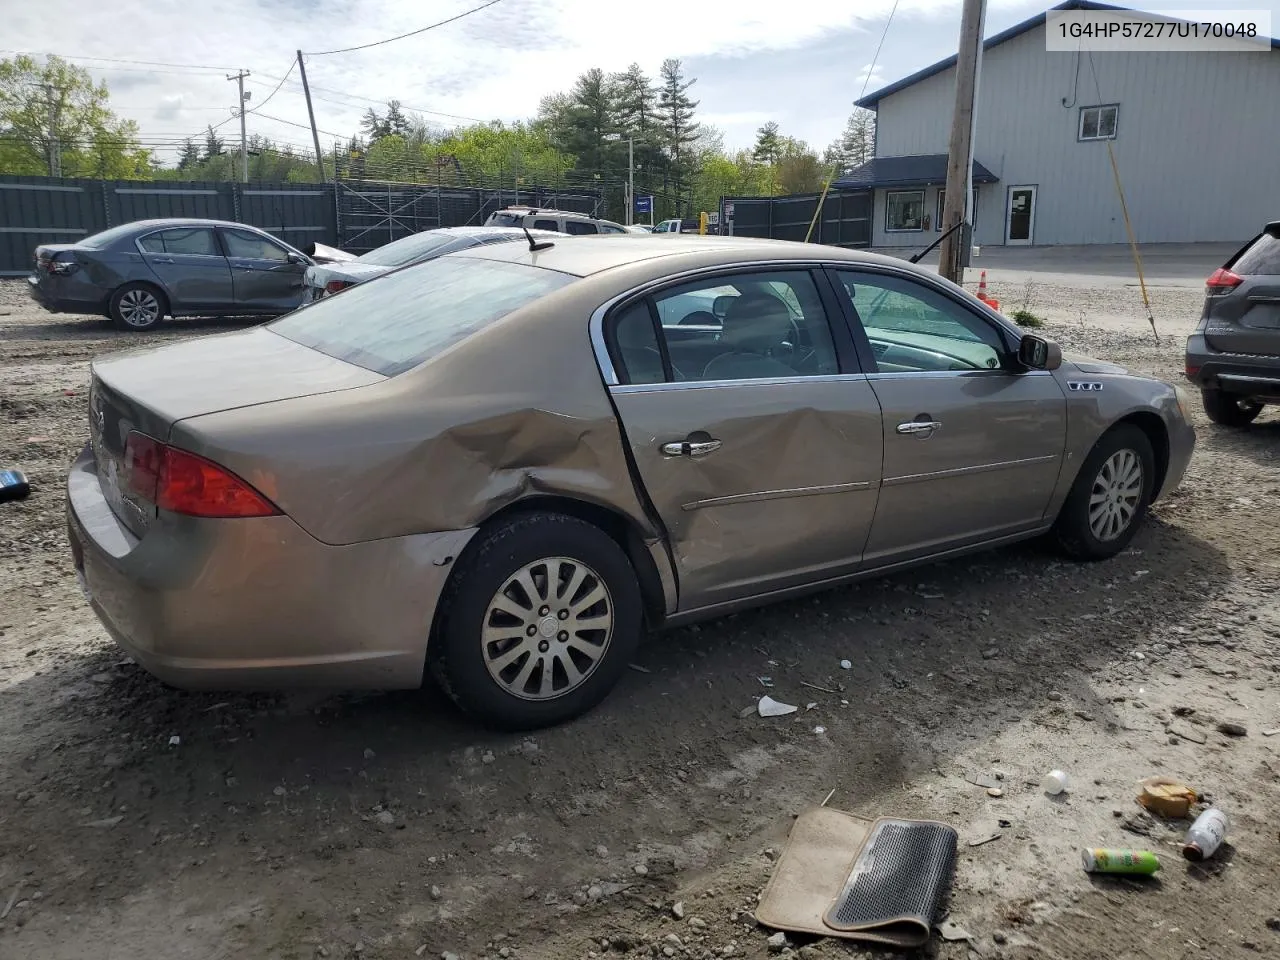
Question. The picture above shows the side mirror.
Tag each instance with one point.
(1038, 353)
(298, 258)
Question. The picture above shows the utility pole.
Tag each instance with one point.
(631, 179)
(311, 115)
(55, 146)
(244, 146)
(960, 149)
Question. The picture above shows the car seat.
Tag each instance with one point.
(754, 326)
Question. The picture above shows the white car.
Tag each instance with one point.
(560, 221)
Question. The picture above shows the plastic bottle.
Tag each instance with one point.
(1205, 835)
(1054, 782)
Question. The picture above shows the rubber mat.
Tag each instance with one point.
(897, 883)
(819, 863)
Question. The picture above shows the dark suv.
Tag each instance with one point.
(1234, 354)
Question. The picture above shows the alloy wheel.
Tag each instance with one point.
(547, 628)
(1116, 494)
(139, 308)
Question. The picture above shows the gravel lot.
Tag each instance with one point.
(385, 826)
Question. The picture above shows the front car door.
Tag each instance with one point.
(266, 275)
(190, 266)
(973, 443)
(759, 441)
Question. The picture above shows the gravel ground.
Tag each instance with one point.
(385, 825)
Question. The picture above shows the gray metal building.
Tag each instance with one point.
(1196, 137)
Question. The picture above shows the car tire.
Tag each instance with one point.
(505, 657)
(138, 306)
(1229, 410)
(1110, 496)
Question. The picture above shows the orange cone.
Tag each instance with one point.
(982, 292)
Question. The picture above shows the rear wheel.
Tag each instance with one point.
(538, 623)
(1229, 410)
(137, 306)
(1110, 496)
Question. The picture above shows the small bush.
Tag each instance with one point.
(1025, 318)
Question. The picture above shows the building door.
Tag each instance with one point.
(1020, 225)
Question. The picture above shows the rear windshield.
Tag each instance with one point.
(107, 237)
(396, 322)
(503, 219)
(408, 249)
(1262, 259)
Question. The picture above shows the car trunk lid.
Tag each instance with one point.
(151, 391)
(48, 253)
(1242, 299)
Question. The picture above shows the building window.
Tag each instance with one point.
(904, 212)
(1098, 123)
(942, 203)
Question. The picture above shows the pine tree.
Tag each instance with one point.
(675, 114)
(213, 145)
(374, 126)
(857, 144)
(396, 121)
(589, 117)
(636, 103)
(190, 155)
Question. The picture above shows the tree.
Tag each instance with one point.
(768, 150)
(396, 121)
(374, 126)
(190, 155)
(54, 118)
(213, 144)
(798, 169)
(585, 119)
(675, 114)
(856, 145)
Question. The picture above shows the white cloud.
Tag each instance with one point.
(495, 64)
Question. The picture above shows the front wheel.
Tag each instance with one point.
(137, 306)
(538, 623)
(1228, 409)
(1110, 496)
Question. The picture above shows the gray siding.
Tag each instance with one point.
(1196, 142)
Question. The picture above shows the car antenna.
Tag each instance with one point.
(536, 245)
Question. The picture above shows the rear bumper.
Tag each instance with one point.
(257, 603)
(1243, 374)
(57, 296)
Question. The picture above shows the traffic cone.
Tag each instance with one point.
(982, 292)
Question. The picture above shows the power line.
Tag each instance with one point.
(884, 33)
(146, 63)
(292, 64)
(411, 33)
(304, 126)
(373, 100)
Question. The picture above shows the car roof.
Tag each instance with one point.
(584, 256)
(188, 222)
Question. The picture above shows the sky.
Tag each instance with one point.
(800, 63)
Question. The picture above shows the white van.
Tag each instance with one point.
(561, 221)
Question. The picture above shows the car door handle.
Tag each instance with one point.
(919, 426)
(162, 259)
(684, 448)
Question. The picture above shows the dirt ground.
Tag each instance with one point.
(137, 820)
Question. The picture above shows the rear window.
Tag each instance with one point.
(407, 249)
(396, 322)
(107, 237)
(503, 219)
(1261, 259)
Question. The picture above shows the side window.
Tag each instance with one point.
(610, 228)
(759, 335)
(579, 228)
(635, 346)
(546, 225)
(195, 240)
(251, 246)
(914, 329)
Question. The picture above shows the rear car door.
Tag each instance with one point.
(266, 278)
(973, 443)
(190, 266)
(757, 442)
(1242, 300)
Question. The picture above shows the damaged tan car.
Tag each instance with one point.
(501, 465)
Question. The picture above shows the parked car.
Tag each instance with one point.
(499, 465)
(559, 221)
(677, 226)
(640, 228)
(320, 281)
(138, 273)
(1234, 354)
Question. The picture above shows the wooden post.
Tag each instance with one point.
(960, 149)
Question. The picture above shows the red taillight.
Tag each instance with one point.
(1222, 280)
(336, 286)
(182, 482)
(1189, 370)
